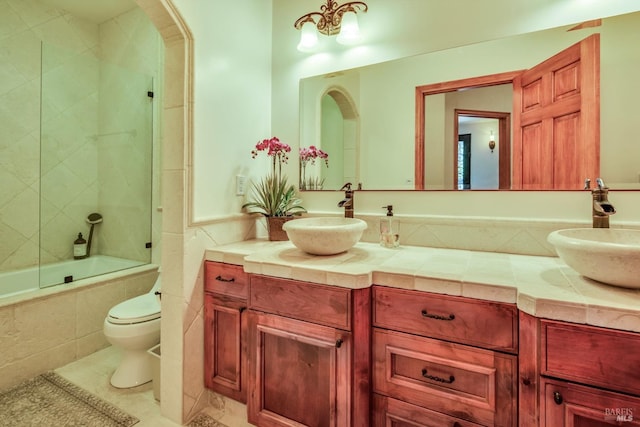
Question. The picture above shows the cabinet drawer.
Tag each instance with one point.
(310, 302)
(395, 413)
(465, 320)
(226, 279)
(471, 383)
(591, 355)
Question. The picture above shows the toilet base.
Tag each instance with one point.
(134, 369)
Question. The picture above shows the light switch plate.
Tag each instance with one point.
(241, 182)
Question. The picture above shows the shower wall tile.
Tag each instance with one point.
(23, 156)
(22, 212)
(10, 20)
(32, 12)
(61, 32)
(10, 78)
(22, 52)
(69, 63)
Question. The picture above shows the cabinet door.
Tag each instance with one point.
(299, 373)
(571, 405)
(225, 346)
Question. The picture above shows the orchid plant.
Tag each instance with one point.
(308, 156)
(273, 196)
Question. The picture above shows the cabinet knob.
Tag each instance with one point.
(526, 381)
(557, 397)
(339, 343)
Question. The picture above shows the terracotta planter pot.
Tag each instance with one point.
(274, 227)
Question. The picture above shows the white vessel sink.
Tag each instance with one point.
(611, 256)
(324, 236)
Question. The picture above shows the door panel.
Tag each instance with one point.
(557, 113)
(299, 373)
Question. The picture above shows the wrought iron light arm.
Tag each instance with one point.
(330, 16)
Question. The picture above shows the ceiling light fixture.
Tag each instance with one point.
(332, 19)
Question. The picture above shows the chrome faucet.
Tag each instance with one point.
(347, 202)
(601, 207)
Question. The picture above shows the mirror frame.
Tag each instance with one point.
(421, 93)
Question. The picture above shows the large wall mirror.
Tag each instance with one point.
(365, 118)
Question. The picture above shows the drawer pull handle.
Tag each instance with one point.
(222, 279)
(557, 397)
(437, 317)
(438, 379)
(339, 343)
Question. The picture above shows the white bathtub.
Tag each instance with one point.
(30, 279)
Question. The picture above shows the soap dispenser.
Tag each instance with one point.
(79, 247)
(389, 237)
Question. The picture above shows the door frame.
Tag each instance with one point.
(504, 146)
(433, 89)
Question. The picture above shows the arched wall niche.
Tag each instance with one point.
(347, 144)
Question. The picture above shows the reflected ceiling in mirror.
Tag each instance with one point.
(375, 144)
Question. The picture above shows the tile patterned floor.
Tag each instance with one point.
(93, 372)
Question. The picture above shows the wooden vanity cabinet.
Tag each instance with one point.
(308, 354)
(225, 326)
(443, 361)
(590, 376)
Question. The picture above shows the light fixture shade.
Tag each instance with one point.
(308, 37)
(349, 29)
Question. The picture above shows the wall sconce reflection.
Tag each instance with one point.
(492, 141)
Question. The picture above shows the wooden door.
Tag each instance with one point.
(225, 345)
(299, 373)
(556, 107)
(565, 404)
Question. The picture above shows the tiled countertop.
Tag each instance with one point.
(541, 286)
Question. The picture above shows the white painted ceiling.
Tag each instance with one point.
(96, 11)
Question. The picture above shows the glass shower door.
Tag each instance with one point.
(96, 167)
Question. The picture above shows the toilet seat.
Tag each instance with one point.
(140, 309)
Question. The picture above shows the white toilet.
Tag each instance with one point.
(134, 326)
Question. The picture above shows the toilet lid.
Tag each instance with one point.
(136, 310)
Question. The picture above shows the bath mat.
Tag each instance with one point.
(203, 420)
(50, 400)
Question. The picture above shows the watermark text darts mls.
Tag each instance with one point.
(618, 414)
